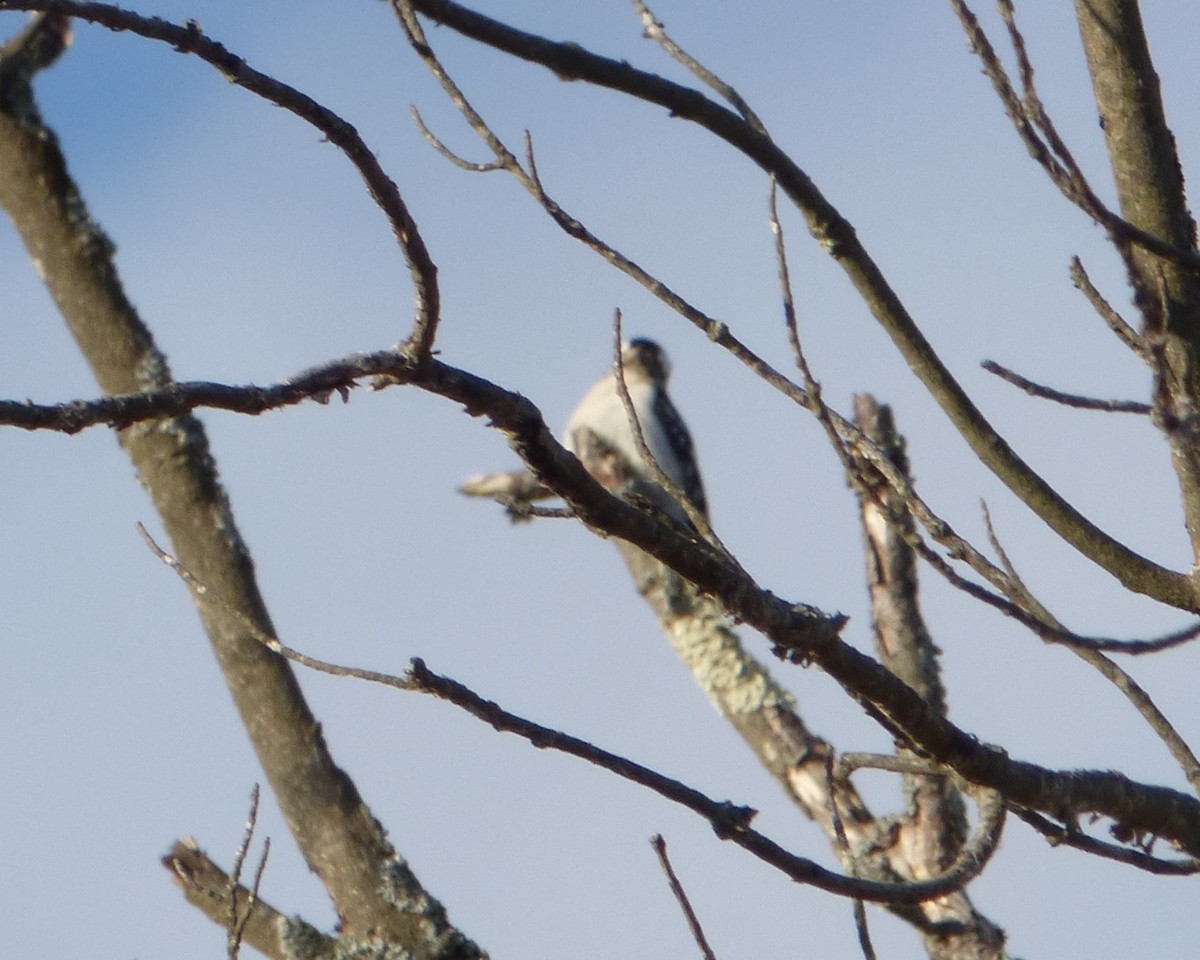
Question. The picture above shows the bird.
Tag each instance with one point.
(602, 413)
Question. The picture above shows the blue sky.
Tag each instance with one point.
(252, 251)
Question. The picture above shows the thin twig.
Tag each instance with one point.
(848, 857)
(238, 919)
(864, 933)
(1060, 835)
(812, 387)
(1055, 634)
(1075, 183)
(195, 585)
(681, 897)
(1180, 750)
(1028, 601)
(459, 161)
(1067, 399)
(1051, 153)
(848, 763)
(1118, 324)
(654, 29)
(524, 510)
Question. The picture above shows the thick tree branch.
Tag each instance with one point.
(1149, 182)
(934, 827)
(1068, 835)
(337, 834)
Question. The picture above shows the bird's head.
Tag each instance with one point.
(647, 358)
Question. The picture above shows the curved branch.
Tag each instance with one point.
(1066, 399)
(1118, 324)
(189, 38)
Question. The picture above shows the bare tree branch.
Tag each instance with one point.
(461, 162)
(654, 29)
(239, 916)
(1044, 144)
(1118, 324)
(816, 403)
(1150, 187)
(1067, 399)
(270, 932)
(729, 821)
(1070, 836)
(190, 39)
(681, 897)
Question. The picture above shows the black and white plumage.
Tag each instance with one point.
(603, 414)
